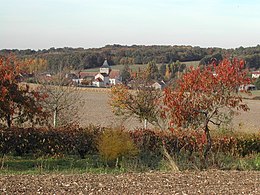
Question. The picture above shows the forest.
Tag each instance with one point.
(56, 59)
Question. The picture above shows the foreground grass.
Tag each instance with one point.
(67, 165)
(92, 164)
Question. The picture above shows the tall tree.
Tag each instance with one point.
(152, 71)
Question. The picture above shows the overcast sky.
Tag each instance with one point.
(38, 24)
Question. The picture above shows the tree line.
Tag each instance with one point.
(79, 58)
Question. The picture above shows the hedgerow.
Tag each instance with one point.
(83, 141)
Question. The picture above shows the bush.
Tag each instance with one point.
(115, 144)
(145, 145)
(49, 142)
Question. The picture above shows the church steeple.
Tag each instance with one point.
(105, 68)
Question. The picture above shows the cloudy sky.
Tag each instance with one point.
(38, 24)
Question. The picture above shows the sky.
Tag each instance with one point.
(41, 24)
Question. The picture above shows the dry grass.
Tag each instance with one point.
(97, 111)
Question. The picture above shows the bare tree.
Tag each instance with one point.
(63, 100)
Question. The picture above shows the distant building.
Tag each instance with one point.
(158, 85)
(106, 77)
(249, 87)
(255, 74)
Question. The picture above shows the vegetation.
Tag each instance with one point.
(114, 145)
(17, 102)
(257, 83)
(200, 96)
(142, 103)
(42, 150)
(79, 58)
(62, 100)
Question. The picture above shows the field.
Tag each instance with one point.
(204, 182)
(98, 111)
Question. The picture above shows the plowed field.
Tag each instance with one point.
(205, 182)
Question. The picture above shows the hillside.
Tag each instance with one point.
(80, 58)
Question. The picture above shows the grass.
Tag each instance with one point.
(92, 164)
(30, 165)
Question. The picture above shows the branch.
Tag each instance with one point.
(215, 123)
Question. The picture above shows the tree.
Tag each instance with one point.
(201, 96)
(141, 103)
(63, 100)
(257, 83)
(153, 72)
(125, 74)
(36, 65)
(167, 73)
(17, 102)
(162, 69)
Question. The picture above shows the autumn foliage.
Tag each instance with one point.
(206, 95)
(17, 102)
(202, 92)
(141, 103)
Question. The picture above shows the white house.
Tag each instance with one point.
(249, 87)
(101, 80)
(158, 85)
(255, 74)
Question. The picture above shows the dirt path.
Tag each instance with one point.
(206, 182)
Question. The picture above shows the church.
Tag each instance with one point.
(106, 77)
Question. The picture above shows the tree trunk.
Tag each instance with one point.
(208, 137)
(55, 117)
(9, 121)
(145, 123)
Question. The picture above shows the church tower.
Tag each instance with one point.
(105, 68)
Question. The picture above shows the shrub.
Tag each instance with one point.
(114, 144)
(49, 142)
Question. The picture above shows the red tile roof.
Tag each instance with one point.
(87, 74)
(114, 73)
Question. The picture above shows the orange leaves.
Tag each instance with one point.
(119, 96)
(204, 90)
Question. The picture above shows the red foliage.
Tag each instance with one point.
(202, 92)
(16, 100)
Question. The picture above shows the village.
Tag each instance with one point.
(108, 77)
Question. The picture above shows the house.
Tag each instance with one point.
(255, 74)
(249, 87)
(114, 77)
(101, 80)
(158, 85)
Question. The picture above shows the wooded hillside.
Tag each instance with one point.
(80, 58)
